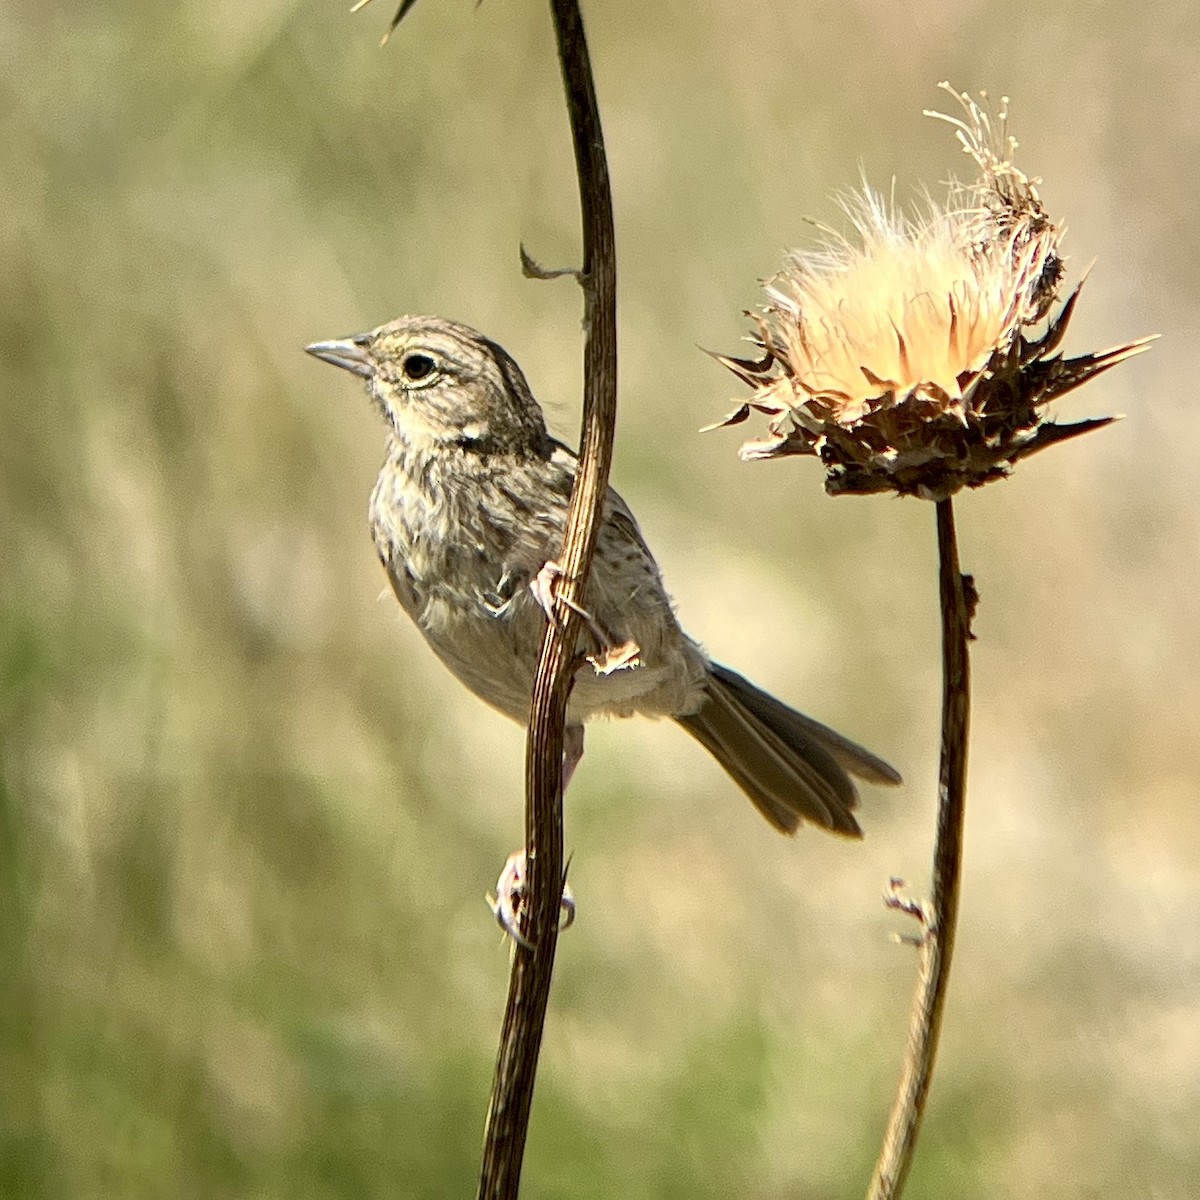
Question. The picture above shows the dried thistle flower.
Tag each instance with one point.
(906, 359)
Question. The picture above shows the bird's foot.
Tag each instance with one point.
(510, 895)
(542, 587)
(611, 655)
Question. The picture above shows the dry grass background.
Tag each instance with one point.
(246, 820)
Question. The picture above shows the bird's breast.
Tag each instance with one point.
(461, 552)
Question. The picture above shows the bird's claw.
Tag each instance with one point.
(542, 587)
(613, 655)
(509, 899)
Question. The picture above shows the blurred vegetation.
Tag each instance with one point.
(246, 822)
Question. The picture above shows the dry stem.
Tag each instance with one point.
(529, 984)
(939, 916)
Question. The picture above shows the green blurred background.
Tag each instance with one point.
(247, 821)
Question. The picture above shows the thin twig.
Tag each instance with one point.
(529, 984)
(939, 917)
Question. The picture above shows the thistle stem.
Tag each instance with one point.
(940, 915)
(533, 963)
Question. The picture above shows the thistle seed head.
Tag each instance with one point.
(917, 355)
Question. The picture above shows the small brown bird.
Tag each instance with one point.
(468, 513)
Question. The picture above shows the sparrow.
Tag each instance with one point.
(467, 516)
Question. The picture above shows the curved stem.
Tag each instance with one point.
(533, 963)
(940, 915)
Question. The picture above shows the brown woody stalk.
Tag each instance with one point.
(533, 964)
(939, 916)
(533, 952)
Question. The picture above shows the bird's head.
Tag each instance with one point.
(442, 385)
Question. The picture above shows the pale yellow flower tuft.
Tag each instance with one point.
(918, 307)
(902, 355)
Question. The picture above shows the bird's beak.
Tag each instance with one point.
(349, 353)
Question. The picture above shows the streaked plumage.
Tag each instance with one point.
(470, 505)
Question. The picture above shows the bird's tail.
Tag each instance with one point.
(794, 768)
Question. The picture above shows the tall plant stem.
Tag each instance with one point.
(533, 962)
(939, 916)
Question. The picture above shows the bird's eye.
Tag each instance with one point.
(418, 366)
